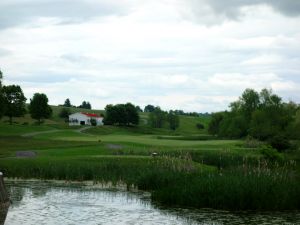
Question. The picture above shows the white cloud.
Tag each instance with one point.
(263, 60)
(152, 53)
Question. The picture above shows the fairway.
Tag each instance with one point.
(70, 135)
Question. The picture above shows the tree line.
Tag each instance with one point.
(150, 108)
(262, 115)
(84, 104)
(128, 115)
(13, 103)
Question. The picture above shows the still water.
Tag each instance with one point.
(36, 202)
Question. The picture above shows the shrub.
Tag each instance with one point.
(270, 153)
(200, 126)
(93, 122)
(64, 113)
(251, 142)
(280, 142)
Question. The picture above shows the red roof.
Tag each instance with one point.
(90, 114)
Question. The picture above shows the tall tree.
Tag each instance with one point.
(39, 108)
(85, 105)
(67, 103)
(249, 103)
(138, 108)
(173, 120)
(157, 118)
(121, 114)
(149, 108)
(215, 123)
(14, 101)
(64, 113)
(132, 114)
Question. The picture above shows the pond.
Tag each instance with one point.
(36, 202)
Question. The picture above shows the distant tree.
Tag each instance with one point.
(138, 108)
(249, 103)
(132, 114)
(64, 113)
(157, 118)
(149, 108)
(14, 101)
(173, 120)
(39, 108)
(85, 105)
(67, 103)
(215, 123)
(121, 114)
(263, 116)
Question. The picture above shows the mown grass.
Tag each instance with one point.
(18, 129)
(190, 137)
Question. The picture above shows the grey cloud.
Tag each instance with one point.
(17, 12)
(231, 9)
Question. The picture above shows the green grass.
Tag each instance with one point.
(17, 129)
(187, 123)
(188, 170)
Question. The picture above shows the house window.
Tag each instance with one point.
(82, 122)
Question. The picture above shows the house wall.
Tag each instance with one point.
(76, 118)
(79, 117)
(99, 121)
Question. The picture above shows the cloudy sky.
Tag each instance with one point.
(196, 55)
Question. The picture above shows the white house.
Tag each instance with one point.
(82, 118)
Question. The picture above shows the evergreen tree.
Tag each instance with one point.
(67, 103)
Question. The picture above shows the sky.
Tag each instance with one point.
(195, 55)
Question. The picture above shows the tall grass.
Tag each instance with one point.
(175, 181)
(258, 188)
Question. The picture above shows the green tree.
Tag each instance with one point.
(173, 120)
(249, 103)
(14, 101)
(64, 113)
(39, 108)
(132, 114)
(138, 108)
(121, 114)
(157, 118)
(149, 108)
(215, 123)
(67, 103)
(85, 105)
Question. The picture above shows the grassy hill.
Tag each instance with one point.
(187, 123)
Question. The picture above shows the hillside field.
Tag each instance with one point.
(188, 170)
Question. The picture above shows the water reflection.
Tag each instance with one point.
(57, 203)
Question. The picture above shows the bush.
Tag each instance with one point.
(280, 142)
(200, 126)
(270, 153)
(64, 113)
(93, 122)
(251, 142)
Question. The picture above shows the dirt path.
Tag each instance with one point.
(80, 130)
